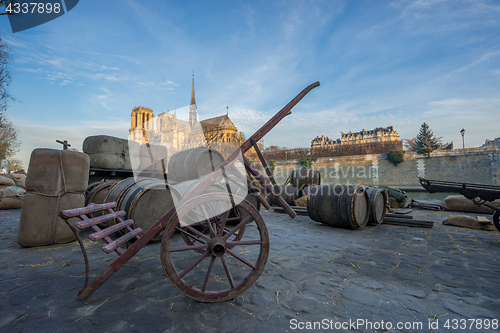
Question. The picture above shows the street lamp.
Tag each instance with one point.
(462, 131)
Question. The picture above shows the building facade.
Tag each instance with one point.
(378, 134)
(219, 132)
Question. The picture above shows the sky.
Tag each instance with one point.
(380, 63)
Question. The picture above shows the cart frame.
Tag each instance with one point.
(227, 165)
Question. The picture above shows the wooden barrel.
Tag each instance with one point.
(288, 193)
(146, 201)
(306, 190)
(342, 206)
(377, 205)
(305, 177)
(312, 194)
(193, 163)
(97, 194)
(119, 189)
(183, 188)
(90, 187)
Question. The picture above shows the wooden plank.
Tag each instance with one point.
(399, 216)
(402, 220)
(402, 210)
(108, 231)
(262, 201)
(66, 214)
(99, 219)
(412, 225)
(119, 241)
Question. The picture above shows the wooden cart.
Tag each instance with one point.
(214, 245)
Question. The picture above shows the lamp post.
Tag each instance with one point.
(462, 131)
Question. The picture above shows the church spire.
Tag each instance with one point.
(192, 107)
(192, 93)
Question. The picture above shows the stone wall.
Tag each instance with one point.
(480, 165)
(357, 149)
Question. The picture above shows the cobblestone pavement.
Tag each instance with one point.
(315, 274)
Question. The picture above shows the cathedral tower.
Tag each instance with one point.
(192, 108)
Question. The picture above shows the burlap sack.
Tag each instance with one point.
(12, 192)
(56, 181)
(15, 176)
(52, 171)
(459, 203)
(6, 181)
(108, 152)
(394, 203)
(40, 223)
(21, 182)
(301, 202)
(468, 222)
(10, 203)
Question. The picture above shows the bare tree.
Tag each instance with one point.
(9, 144)
(15, 164)
(4, 75)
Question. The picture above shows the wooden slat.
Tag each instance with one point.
(66, 214)
(262, 201)
(100, 219)
(403, 220)
(399, 216)
(119, 241)
(109, 230)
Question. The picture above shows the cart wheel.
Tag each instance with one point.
(496, 217)
(227, 265)
(204, 229)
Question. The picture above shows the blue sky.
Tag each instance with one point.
(380, 63)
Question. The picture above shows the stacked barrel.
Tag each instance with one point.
(342, 206)
(346, 206)
(56, 181)
(193, 163)
(153, 158)
(377, 204)
(144, 200)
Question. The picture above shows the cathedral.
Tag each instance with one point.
(218, 133)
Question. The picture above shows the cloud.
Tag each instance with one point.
(452, 101)
(129, 59)
(102, 99)
(436, 17)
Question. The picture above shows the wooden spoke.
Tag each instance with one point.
(203, 241)
(238, 226)
(223, 223)
(190, 228)
(228, 273)
(209, 272)
(248, 242)
(187, 248)
(240, 258)
(194, 264)
(208, 221)
(183, 256)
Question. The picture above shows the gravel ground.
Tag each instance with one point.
(317, 278)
